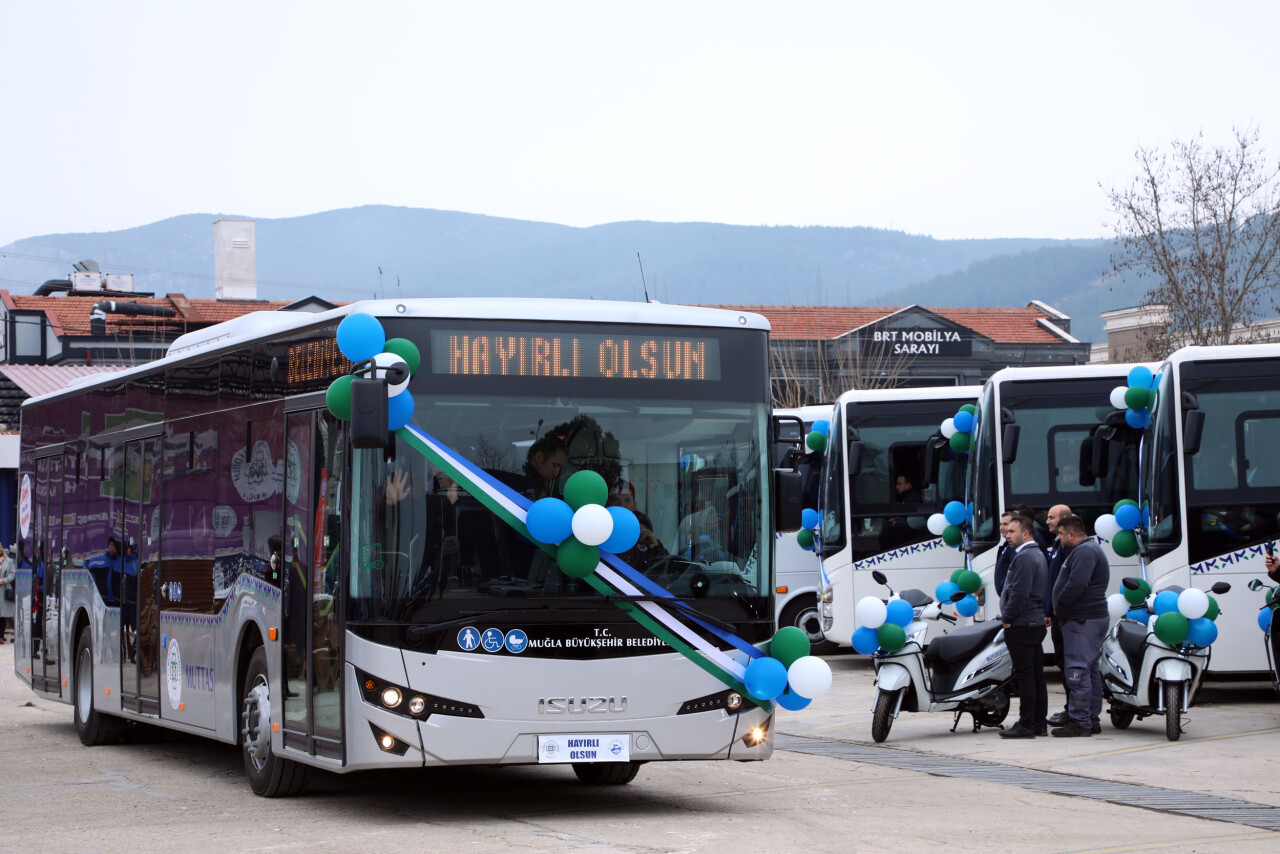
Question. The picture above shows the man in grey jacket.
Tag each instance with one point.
(1022, 612)
(1080, 607)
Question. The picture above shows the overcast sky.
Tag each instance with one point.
(954, 119)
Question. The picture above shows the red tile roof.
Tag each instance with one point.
(1003, 325)
(69, 315)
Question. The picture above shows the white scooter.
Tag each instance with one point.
(1142, 675)
(968, 670)
(1270, 639)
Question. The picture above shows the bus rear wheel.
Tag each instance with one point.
(802, 613)
(93, 727)
(606, 773)
(270, 776)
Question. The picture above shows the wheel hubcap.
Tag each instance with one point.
(257, 723)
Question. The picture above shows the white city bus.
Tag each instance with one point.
(797, 585)
(1033, 444)
(203, 549)
(1211, 477)
(876, 437)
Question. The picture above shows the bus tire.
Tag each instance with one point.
(93, 726)
(606, 773)
(270, 776)
(802, 612)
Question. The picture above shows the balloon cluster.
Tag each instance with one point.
(1176, 617)
(963, 579)
(809, 521)
(958, 429)
(1130, 604)
(1135, 398)
(581, 526)
(881, 625)
(361, 338)
(1269, 609)
(1118, 527)
(818, 434)
(789, 674)
(949, 524)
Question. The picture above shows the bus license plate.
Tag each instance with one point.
(584, 748)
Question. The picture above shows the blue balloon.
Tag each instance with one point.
(865, 640)
(792, 701)
(963, 421)
(1264, 619)
(899, 611)
(1138, 419)
(1141, 615)
(809, 518)
(549, 520)
(765, 678)
(1140, 375)
(1202, 632)
(626, 530)
(1166, 601)
(955, 512)
(823, 427)
(360, 337)
(968, 606)
(399, 410)
(1128, 517)
(945, 591)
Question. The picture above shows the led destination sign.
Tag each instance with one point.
(574, 355)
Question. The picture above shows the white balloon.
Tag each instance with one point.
(1193, 603)
(592, 524)
(1151, 623)
(1117, 397)
(386, 360)
(937, 524)
(948, 427)
(810, 677)
(1117, 606)
(1106, 526)
(870, 612)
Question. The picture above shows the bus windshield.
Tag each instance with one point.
(686, 461)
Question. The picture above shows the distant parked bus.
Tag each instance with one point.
(204, 548)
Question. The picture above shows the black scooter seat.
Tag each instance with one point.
(961, 644)
(1131, 635)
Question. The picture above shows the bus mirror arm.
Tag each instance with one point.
(1009, 451)
(932, 459)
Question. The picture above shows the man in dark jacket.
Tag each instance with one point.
(1056, 555)
(1080, 607)
(1022, 612)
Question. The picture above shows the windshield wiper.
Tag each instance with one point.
(681, 607)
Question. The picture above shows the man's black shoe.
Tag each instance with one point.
(1042, 729)
(1097, 728)
(1060, 719)
(1017, 731)
(1072, 730)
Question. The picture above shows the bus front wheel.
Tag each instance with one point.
(92, 726)
(269, 775)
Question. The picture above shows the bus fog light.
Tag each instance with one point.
(387, 742)
(391, 697)
(417, 705)
(756, 735)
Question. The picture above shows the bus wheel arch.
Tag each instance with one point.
(802, 612)
(270, 775)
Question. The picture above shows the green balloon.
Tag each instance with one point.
(1171, 627)
(585, 487)
(577, 559)
(955, 576)
(1137, 397)
(407, 350)
(789, 644)
(969, 408)
(1124, 502)
(952, 535)
(1125, 543)
(805, 538)
(338, 398)
(960, 442)
(816, 441)
(891, 637)
(1214, 610)
(1271, 595)
(1135, 597)
(970, 581)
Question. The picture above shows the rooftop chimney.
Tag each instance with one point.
(235, 259)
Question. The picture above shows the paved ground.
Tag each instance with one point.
(184, 794)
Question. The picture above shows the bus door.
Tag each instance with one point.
(139, 538)
(46, 575)
(312, 631)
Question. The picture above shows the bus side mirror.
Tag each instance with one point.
(369, 427)
(1009, 452)
(788, 500)
(933, 456)
(1088, 453)
(1192, 431)
(855, 457)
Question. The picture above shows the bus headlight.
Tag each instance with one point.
(391, 697)
(417, 705)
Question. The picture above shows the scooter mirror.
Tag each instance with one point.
(1131, 583)
(878, 576)
(1255, 585)
(1221, 587)
(958, 595)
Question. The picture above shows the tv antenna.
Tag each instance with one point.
(642, 282)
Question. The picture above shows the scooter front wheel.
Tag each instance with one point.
(1172, 692)
(882, 718)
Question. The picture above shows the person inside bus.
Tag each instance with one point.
(107, 569)
(622, 493)
(542, 468)
(897, 530)
(648, 550)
